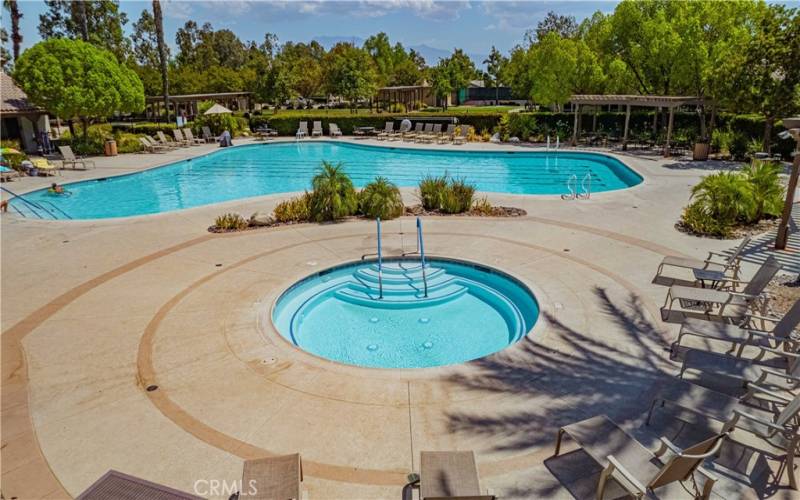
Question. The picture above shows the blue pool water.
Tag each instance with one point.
(255, 170)
(471, 311)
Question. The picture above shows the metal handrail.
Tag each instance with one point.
(33, 205)
(380, 262)
(422, 254)
(572, 187)
(586, 186)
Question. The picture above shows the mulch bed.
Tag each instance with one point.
(415, 210)
(738, 232)
(785, 291)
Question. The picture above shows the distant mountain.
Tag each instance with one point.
(431, 54)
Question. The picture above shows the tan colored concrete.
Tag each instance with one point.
(95, 311)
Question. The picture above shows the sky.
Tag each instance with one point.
(472, 25)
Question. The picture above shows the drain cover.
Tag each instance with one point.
(151, 388)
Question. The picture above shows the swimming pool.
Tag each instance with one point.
(260, 169)
(470, 311)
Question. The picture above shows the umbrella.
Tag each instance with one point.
(217, 109)
(9, 151)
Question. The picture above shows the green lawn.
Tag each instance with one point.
(460, 110)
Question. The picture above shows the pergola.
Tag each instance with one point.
(407, 95)
(648, 101)
(188, 103)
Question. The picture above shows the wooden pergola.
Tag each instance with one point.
(188, 103)
(648, 101)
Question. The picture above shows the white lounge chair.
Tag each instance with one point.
(163, 140)
(721, 264)
(387, 132)
(334, 130)
(208, 136)
(187, 133)
(178, 135)
(302, 130)
(316, 130)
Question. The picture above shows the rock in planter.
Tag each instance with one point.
(495, 138)
(261, 219)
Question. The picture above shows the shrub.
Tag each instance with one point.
(293, 210)
(522, 125)
(700, 221)
(381, 198)
(231, 222)
(738, 145)
(15, 160)
(431, 191)
(396, 107)
(504, 129)
(148, 128)
(333, 195)
(127, 143)
(766, 188)
(483, 207)
(458, 197)
(721, 141)
(218, 123)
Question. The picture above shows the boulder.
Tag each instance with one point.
(261, 219)
(495, 138)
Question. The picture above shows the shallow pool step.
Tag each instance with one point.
(394, 276)
(408, 287)
(389, 301)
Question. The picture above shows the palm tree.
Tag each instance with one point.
(725, 197)
(158, 17)
(381, 198)
(15, 15)
(767, 190)
(334, 196)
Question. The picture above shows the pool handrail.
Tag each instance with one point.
(586, 187)
(422, 255)
(380, 262)
(33, 206)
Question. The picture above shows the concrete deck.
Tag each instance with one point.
(94, 312)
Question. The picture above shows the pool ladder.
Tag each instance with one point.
(34, 207)
(379, 253)
(421, 251)
(572, 188)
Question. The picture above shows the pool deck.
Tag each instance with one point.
(94, 312)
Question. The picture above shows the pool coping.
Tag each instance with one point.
(349, 141)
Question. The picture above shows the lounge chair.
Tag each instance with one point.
(45, 167)
(333, 130)
(724, 266)
(178, 135)
(157, 144)
(461, 137)
(162, 139)
(449, 475)
(436, 133)
(763, 425)
(745, 366)
(272, 478)
(7, 174)
(387, 131)
(426, 132)
(69, 158)
(115, 484)
(208, 136)
(412, 135)
(302, 130)
(721, 305)
(447, 136)
(742, 336)
(187, 133)
(635, 468)
(316, 129)
(152, 147)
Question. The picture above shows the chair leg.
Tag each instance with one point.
(558, 441)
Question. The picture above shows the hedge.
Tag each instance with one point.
(146, 128)
(287, 125)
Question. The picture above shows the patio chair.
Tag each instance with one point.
(784, 328)
(178, 135)
(68, 157)
(115, 484)
(316, 130)
(721, 305)
(8, 174)
(426, 132)
(447, 135)
(208, 136)
(435, 134)
(150, 147)
(187, 133)
(412, 135)
(461, 137)
(386, 132)
(272, 478)
(45, 167)
(333, 130)
(157, 144)
(635, 468)
(163, 140)
(768, 427)
(302, 130)
(723, 265)
(448, 475)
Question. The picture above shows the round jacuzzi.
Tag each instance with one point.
(403, 316)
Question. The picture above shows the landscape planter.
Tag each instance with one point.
(700, 152)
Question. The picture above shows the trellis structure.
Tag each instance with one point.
(648, 101)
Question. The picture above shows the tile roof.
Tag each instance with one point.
(14, 99)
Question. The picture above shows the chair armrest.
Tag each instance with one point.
(779, 352)
(765, 371)
(759, 420)
(637, 488)
(666, 444)
(755, 388)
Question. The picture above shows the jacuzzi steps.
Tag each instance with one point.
(413, 296)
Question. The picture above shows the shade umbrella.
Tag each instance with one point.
(9, 151)
(217, 109)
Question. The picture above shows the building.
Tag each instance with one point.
(188, 105)
(21, 119)
(410, 96)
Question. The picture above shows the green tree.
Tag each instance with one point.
(441, 83)
(495, 68)
(5, 56)
(350, 73)
(72, 78)
(563, 26)
(163, 52)
(99, 22)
